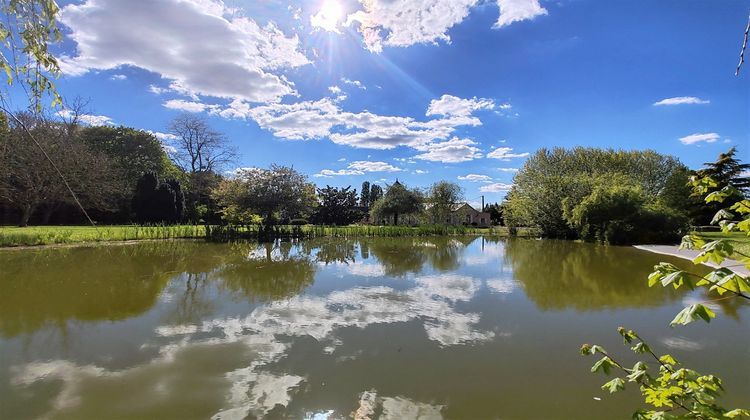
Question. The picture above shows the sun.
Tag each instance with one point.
(329, 16)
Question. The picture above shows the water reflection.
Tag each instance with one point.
(245, 330)
(262, 334)
(560, 275)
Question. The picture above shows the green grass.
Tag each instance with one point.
(49, 235)
(740, 240)
(225, 233)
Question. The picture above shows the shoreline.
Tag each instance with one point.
(91, 244)
(690, 254)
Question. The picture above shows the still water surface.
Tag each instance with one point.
(331, 328)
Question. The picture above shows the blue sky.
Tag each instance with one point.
(422, 90)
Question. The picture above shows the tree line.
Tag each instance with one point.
(119, 174)
(615, 196)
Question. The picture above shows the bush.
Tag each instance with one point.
(620, 214)
(298, 222)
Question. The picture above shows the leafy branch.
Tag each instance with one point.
(678, 392)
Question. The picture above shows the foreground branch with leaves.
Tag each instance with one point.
(676, 392)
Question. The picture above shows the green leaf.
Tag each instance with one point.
(737, 412)
(604, 364)
(641, 348)
(716, 196)
(693, 313)
(741, 207)
(722, 215)
(668, 359)
(614, 385)
(715, 251)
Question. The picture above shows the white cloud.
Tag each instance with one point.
(420, 172)
(475, 178)
(699, 137)
(118, 77)
(359, 167)
(335, 90)
(517, 10)
(495, 187)
(200, 45)
(449, 105)
(157, 90)
(188, 106)
(368, 166)
(507, 169)
(454, 150)
(86, 119)
(402, 23)
(681, 100)
(504, 153)
(324, 118)
(355, 83)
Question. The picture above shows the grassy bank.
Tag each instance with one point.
(50, 235)
(224, 233)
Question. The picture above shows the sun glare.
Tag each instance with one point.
(329, 16)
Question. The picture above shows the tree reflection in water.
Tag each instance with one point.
(564, 274)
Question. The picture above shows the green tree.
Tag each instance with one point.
(202, 153)
(726, 171)
(364, 200)
(376, 193)
(337, 206)
(550, 177)
(276, 193)
(398, 200)
(137, 152)
(441, 198)
(496, 213)
(617, 213)
(155, 202)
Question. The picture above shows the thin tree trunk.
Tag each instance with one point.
(395, 219)
(26, 212)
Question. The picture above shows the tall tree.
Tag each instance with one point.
(199, 148)
(279, 191)
(441, 198)
(337, 206)
(364, 200)
(376, 193)
(728, 170)
(398, 200)
(156, 202)
(202, 153)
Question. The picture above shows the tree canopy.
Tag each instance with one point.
(552, 180)
(398, 200)
(279, 192)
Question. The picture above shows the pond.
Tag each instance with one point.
(332, 328)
